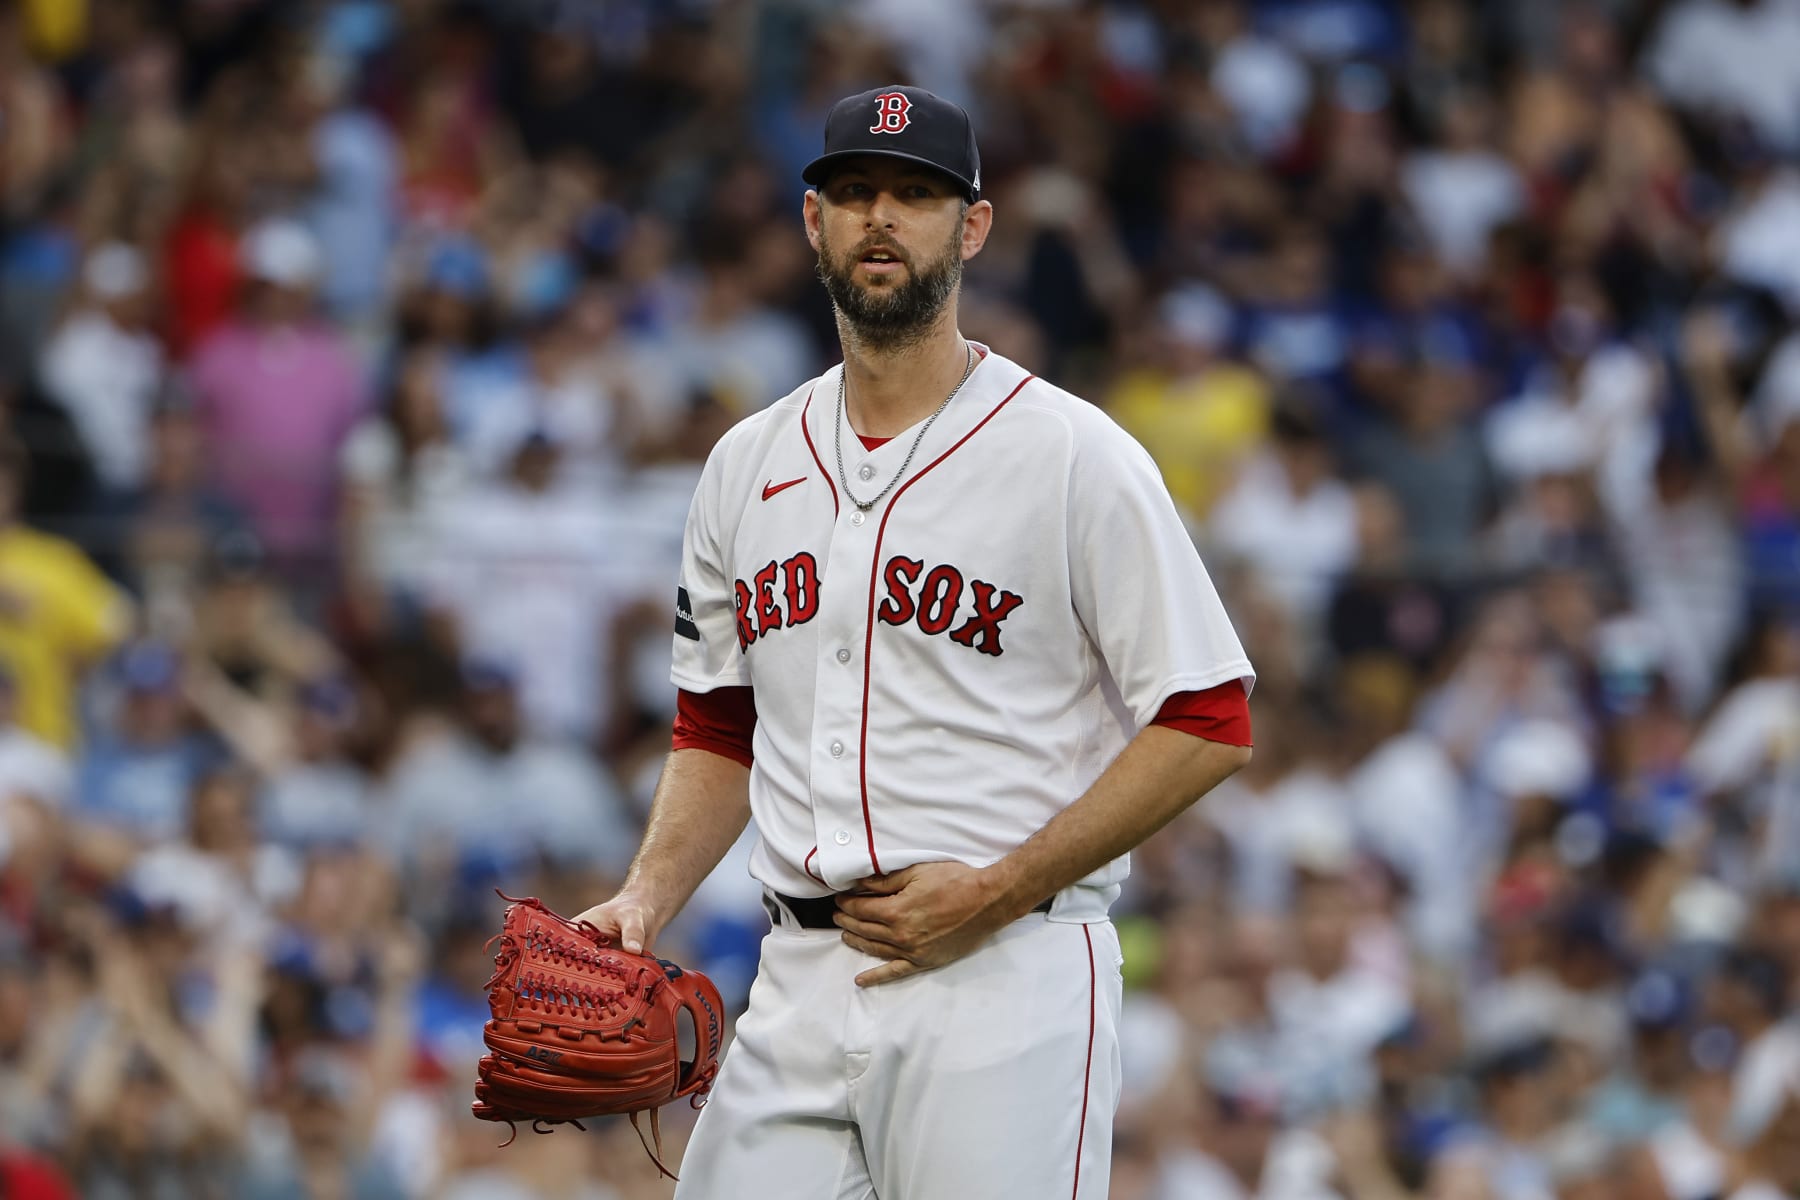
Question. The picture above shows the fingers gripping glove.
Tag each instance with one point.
(583, 1028)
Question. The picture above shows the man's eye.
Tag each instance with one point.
(918, 191)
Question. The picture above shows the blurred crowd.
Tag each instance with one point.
(358, 359)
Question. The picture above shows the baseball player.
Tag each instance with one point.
(941, 632)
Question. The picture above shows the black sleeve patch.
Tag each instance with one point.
(684, 616)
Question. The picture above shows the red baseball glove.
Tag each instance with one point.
(583, 1028)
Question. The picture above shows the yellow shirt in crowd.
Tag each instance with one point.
(1199, 429)
(58, 613)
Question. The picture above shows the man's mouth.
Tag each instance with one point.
(880, 260)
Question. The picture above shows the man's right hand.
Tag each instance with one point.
(627, 920)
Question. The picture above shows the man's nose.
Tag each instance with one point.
(882, 211)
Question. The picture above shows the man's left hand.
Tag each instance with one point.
(920, 917)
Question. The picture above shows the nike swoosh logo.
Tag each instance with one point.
(771, 487)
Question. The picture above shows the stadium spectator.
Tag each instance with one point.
(1291, 488)
(104, 366)
(523, 580)
(401, 469)
(1434, 465)
(135, 776)
(449, 801)
(58, 614)
(160, 535)
(321, 1153)
(316, 795)
(1201, 413)
(276, 391)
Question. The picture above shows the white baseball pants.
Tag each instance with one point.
(994, 1078)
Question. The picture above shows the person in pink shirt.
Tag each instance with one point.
(277, 389)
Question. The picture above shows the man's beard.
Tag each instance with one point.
(891, 316)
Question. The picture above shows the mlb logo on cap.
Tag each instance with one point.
(901, 122)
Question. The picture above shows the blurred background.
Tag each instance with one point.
(357, 363)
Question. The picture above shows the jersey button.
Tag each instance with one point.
(837, 749)
(843, 656)
(842, 837)
(867, 472)
(856, 518)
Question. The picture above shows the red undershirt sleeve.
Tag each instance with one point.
(1218, 714)
(721, 721)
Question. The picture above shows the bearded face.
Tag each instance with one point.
(890, 307)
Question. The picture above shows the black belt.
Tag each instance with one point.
(815, 912)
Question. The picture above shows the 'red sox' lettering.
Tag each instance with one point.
(932, 603)
(760, 603)
(786, 593)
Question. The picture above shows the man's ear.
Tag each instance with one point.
(977, 223)
(811, 214)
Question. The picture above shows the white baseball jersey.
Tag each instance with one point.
(940, 676)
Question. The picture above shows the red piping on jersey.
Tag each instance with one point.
(807, 866)
(862, 748)
(807, 434)
(1087, 1071)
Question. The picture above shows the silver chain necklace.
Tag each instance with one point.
(866, 505)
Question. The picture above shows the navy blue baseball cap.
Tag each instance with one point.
(901, 122)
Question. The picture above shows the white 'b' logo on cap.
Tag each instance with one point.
(890, 112)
